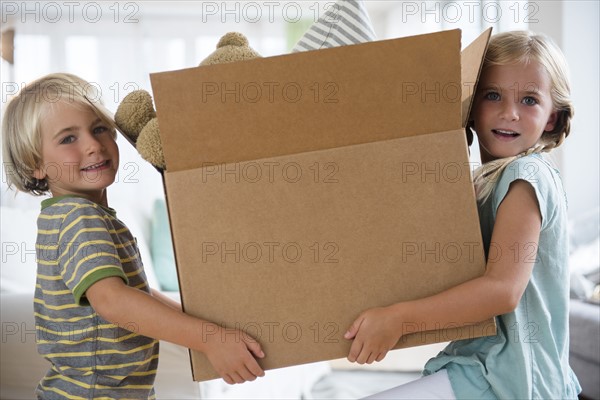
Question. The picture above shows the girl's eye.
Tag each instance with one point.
(529, 101)
(67, 139)
(493, 96)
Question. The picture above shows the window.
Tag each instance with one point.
(32, 64)
(82, 58)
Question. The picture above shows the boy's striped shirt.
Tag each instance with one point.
(78, 244)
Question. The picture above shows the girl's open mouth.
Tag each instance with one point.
(505, 134)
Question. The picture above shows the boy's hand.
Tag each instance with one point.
(232, 353)
(375, 332)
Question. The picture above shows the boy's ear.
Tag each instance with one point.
(551, 121)
(39, 173)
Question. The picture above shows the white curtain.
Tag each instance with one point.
(407, 18)
(118, 44)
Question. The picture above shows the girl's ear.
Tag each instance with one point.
(551, 121)
(469, 132)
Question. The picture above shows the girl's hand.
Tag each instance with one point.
(232, 353)
(375, 332)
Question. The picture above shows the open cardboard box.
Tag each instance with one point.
(303, 189)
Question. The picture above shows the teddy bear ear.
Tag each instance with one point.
(134, 112)
(233, 46)
(149, 145)
(233, 39)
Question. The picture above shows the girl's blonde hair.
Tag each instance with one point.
(518, 47)
(21, 127)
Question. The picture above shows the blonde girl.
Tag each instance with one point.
(522, 108)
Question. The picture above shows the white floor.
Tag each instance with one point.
(358, 384)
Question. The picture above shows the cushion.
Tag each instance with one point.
(412, 359)
(345, 22)
(139, 226)
(584, 262)
(163, 257)
(583, 228)
(19, 233)
(584, 259)
(19, 265)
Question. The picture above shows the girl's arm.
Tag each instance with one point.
(230, 351)
(498, 291)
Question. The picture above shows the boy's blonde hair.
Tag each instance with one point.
(518, 47)
(21, 127)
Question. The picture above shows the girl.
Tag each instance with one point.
(521, 109)
(97, 321)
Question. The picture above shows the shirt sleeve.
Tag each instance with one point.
(535, 171)
(87, 251)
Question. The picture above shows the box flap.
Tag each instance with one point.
(309, 101)
(471, 62)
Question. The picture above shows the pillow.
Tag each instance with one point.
(584, 263)
(346, 22)
(584, 259)
(18, 233)
(411, 359)
(139, 226)
(583, 228)
(161, 247)
(295, 382)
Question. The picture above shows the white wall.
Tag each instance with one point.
(581, 166)
(126, 52)
(574, 26)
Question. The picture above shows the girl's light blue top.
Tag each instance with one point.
(529, 356)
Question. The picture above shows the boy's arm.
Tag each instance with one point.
(229, 351)
(498, 291)
(157, 294)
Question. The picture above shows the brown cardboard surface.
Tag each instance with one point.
(471, 63)
(382, 87)
(289, 218)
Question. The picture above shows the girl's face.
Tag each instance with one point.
(512, 109)
(79, 154)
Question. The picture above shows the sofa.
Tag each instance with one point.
(21, 367)
(585, 346)
(584, 315)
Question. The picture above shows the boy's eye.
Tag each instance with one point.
(67, 139)
(494, 96)
(100, 129)
(530, 101)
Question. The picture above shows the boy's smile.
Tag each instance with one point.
(513, 107)
(79, 153)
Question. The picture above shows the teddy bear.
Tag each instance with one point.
(136, 117)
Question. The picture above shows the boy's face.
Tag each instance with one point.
(512, 109)
(79, 154)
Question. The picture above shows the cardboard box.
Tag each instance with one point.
(303, 189)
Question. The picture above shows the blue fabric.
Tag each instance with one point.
(529, 356)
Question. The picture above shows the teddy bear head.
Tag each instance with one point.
(136, 117)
